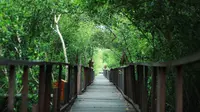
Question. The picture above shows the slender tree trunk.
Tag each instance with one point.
(61, 37)
(56, 20)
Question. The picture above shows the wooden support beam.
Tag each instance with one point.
(68, 84)
(24, 103)
(55, 99)
(48, 87)
(144, 89)
(76, 79)
(153, 97)
(125, 81)
(132, 67)
(140, 84)
(79, 80)
(59, 88)
(85, 77)
(11, 89)
(179, 89)
(42, 77)
(161, 89)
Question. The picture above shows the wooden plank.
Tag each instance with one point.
(48, 87)
(179, 90)
(24, 103)
(101, 96)
(28, 63)
(68, 84)
(140, 85)
(161, 88)
(35, 108)
(137, 100)
(153, 97)
(79, 80)
(11, 89)
(76, 79)
(132, 72)
(59, 88)
(128, 81)
(55, 99)
(41, 96)
(85, 77)
(144, 89)
(182, 61)
(125, 81)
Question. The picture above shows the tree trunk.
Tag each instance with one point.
(61, 37)
(56, 20)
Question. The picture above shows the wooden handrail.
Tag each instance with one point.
(29, 63)
(182, 61)
(135, 90)
(45, 84)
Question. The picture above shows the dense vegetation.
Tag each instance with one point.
(109, 32)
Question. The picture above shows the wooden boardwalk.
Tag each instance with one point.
(101, 96)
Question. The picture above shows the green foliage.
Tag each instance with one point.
(109, 32)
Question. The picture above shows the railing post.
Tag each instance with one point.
(69, 83)
(79, 85)
(122, 80)
(153, 97)
(161, 88)
(179, 90)
(140, 84)
(57, 104)
(24, 103)
(11, 89)
(90, 74)
(125, 81)
(144, 89)
(42, 77)
(76, 79)
(132, 73)
(48, 87)
(85, 77)
(111, 75)
(116, 75)
(129, 79)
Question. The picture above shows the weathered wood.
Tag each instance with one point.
(24, 103)
(35, 108)
(179, 90)
(55, 101)
(76, 79)
(11, 89)
(140, 84)
(59, 88)
(153, 97)
(79, 80)
(85, 77)
(48, 87)
(144, 90)
(68, 84)
(161, 89)
(133, 82)
(101, 96)
(28, 63)
(41, 96)
(125, 81)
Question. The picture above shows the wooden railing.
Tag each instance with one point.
(46, 102)
(131, 80)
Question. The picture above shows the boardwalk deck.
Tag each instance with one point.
(101, 96)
